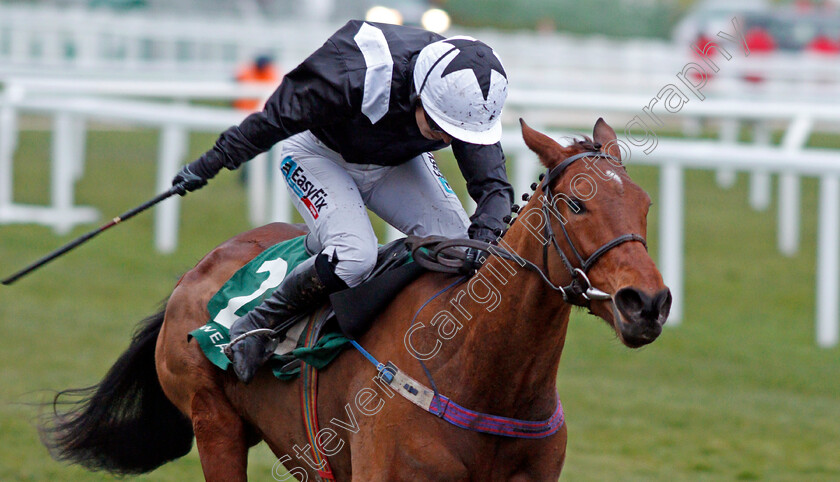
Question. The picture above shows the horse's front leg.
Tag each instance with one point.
(544, 462)
(220, 437)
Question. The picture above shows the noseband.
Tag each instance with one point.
(580, 286)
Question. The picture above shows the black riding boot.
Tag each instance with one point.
(302, 289)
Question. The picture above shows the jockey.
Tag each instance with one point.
(358, 118)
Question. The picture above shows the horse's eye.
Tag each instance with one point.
(577, 206)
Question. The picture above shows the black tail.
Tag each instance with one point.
(125, 424)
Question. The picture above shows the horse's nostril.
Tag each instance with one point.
(631, 302)
(662, 304)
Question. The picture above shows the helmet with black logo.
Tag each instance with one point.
(462, 86)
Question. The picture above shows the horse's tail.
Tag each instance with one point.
(124, 424)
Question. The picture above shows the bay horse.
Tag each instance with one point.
(498, 354)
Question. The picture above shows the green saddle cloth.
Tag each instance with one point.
(244, 291)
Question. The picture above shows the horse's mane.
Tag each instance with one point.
(586, 143)
(577, 145)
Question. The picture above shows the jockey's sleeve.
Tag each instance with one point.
(483, 168)
(316, 93)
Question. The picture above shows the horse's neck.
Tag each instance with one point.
(509, 356)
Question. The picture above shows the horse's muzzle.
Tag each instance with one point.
(638, 316)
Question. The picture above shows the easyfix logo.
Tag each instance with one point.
(436, 171)
(312, 195)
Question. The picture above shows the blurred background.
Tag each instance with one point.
(730, 111)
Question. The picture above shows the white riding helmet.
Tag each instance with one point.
(462, 86)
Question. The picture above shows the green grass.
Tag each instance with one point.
(738, 391)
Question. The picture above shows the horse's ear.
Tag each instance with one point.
(549, 151)
(605, 135)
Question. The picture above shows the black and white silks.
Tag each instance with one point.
(356, 95)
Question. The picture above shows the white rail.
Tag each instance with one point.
(81, 41)
(673, 156)
(175, 121)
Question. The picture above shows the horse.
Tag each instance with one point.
(498, 350)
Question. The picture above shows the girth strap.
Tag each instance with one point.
(309, 401)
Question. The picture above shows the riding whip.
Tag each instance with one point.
(178, 189)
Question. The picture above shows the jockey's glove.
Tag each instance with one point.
(473, 260)
(187, 181)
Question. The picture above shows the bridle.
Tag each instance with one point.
(580, 286)
(447, 255)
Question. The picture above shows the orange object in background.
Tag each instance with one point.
(261, 71)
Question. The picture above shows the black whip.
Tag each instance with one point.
(179, 189)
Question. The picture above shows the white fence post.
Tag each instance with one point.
(171, 151)
(729, 130)
(760, 182)
(8, 144)
(827, 261)
(256, 170)
(790, 186)
(79, 134)
(671, 226)
(788, 229)
(63, 172)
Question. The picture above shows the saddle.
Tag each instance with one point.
(318, 336)
(355, 308)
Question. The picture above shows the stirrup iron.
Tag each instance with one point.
(274, 340)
